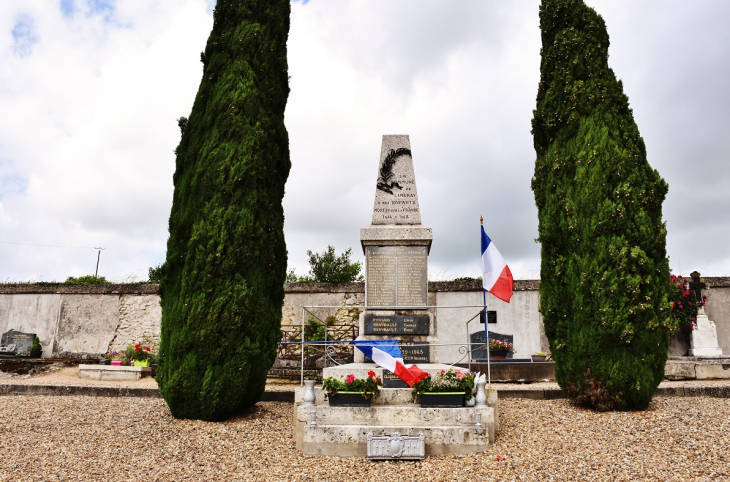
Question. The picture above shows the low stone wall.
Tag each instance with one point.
(79, 321)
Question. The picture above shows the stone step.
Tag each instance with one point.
(351, 440)
(394, 415)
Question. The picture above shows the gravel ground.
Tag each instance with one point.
(95, 438)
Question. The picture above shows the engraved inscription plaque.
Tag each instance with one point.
(396, 276)
(413, 353)
(491, 316)
(396, 324)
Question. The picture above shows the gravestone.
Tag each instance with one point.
(396, 247)
(703, 338)
(481, 352)
(22, 341)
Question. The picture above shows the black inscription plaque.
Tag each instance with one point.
(396, 324)
(22, 341)
(396, 276)
(413, 353)
(491, 316)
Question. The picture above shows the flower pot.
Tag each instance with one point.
(442, 399)
(105, 361)
(539, 358)
(117, 363)
(141, 363)
(498, 354)
(36, 353)
(350, 399)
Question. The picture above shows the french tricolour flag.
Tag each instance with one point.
(496, 276)
(386, 353)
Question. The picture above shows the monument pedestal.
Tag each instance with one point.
(343, 431)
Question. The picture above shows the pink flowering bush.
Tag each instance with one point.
(451, 380)
(369, 386)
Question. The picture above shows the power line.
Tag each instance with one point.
(48, 245)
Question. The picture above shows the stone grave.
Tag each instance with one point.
(703, 338)
(16, 342)
(396, 247)
(481, 353)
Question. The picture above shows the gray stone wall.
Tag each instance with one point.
(78, 321)
(81, 321)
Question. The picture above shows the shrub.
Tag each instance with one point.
(604, 270)
(223, 283)
(86, 280)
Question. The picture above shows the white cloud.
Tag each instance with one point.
(90, 108)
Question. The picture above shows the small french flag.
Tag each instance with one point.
(496, 276)
(387, 354)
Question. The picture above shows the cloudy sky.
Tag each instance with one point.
(90, 91)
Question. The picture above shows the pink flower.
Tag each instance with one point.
(350, 378)
(443, 371)
(500, 458)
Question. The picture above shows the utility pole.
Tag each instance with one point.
(97, 261)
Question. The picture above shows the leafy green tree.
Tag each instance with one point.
(604, 271)
(86, 280)
(329, 268)
(154, 274)
(222, 286)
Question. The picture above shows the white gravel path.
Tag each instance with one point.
(99, 438)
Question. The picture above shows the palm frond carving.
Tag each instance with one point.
(385, 182)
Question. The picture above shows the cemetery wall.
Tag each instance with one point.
(77, 321)
(81, 321)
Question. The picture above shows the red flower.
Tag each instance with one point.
(136, 348)
(691, 326)
(694, 319)
(147, 348)
(371, 374)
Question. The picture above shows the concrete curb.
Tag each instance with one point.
(56, 390)
(288, 397)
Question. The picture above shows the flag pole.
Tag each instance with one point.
(486, 319)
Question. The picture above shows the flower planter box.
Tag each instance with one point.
(442, 400)
(539, 358)
(498, 354)
(141, 363)
(350, 399)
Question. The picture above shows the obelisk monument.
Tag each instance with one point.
(396, 247)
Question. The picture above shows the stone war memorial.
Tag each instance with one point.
(396, 247)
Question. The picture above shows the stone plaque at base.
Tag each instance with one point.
(413, 354)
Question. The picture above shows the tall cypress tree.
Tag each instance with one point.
(222, 283)
(604, 270)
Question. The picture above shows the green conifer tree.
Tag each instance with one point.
(222, 282)
(604, 271)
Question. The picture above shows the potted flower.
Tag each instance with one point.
(449, 388)
(36, 350)
(138, 355)
(498, 349)
(352, 391)
(539, 356)
(115, 358)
